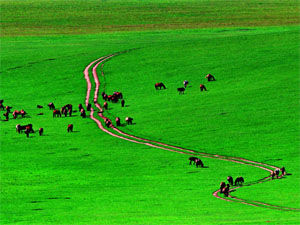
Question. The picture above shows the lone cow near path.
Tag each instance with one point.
(160, 85)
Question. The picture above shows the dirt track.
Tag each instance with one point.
(163, 146)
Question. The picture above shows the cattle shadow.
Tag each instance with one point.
(76, 131)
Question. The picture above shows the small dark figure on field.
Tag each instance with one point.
(283, 171)
(199, 163)
(8, 108)
(27, 131)
(123, 103)
(80, 107)
(129, 120)
(239, 181)
(51, 106)
(1, 106)
(185, 83)
(105, 97)
(82, 113)
(118, 121)
(160, 86)
(222, 186)
(6, 116)
(89, 106)
(230, 180)
(16, 113)
(64, 111)
(272, 174)
(107, 123)
(193, 159)
(41, 130)
(56, 113)
(105, 105)
(70, 112)
(202, 87)
(70, 128)
(277, 172)
(226, 190)
(39, 106)
(210, 77)
(181, 90)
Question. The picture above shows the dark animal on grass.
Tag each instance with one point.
(230, 180)
(239, 181)
(1, 106)
(109, 98)
(118, 121)
(70, 128)
(56, 113)
(41, 131)
(80, 107)
(16, 113)
(123, 103)
(272, 174)
(105, 105)
(181, 90)
(226, 190)
(118, 94)
(105, 97)
(1, 101)
(159, 86)
(27, 131)
(107, 123)
(64, 111)
(210, 77)
(51, 106)
(185, 83)
(193, 159)
(88, 107)
(82, 113)
(283, 171)
(199, 163)
(222, 186)
(6, 116)
(39, 106)
(277, 172)
(20, 128)
(8, 108)
(202, 87)
(70, 112)
(129, 120)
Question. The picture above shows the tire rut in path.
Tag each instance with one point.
(167, 147)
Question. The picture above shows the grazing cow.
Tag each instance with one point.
(202, 87)
(1, 105)
(105, 105)
(89, 106)
(19, 128)
(272, 174)
(230, 180)
(277, 172)
(82, 113)
(118, 121)
(222, 186)
(39, 106)
(123, 103)
(107, 122)
(199, 163)
(51, 106)
(129, 120)
(210, 77)
(6, 116)
(193, 159)
(239, 181)
(56, 113)
(41, 131)
(8, 108)
(27, 131)
(160, 86)
(105, 97)
(16, 113)
(185, 83)
(80, 107)
(64, 110)
(283, 171)
(226, 190)
(70, 128)
(181, 90)
(119, 95)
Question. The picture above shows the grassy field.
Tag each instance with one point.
(89, 177)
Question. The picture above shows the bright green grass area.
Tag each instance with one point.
(44, 17)
(89, 177)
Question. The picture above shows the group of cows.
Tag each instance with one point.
(209, 77)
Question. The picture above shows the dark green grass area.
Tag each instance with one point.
(89, 177)
(47, 17)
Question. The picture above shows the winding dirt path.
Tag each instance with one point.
(172, 148)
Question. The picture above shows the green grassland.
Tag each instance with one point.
(89, 177)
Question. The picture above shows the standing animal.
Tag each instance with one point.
(185, 83)
(56, 113)
(70, 128)
(41, 131)
(222, 186)
(230, 180)
(199, 163)
(51, 106)
(6, 116)
(19, 128)
(181, 90)
(107, 122)
(118, 121)
(239, 181)
(193, 159)
(283, 170)
(89, 106)
(1, 104)
(123, 103)
(27, 131)
(160, 86)
(202, 87)
(129, 120)
(82, 113)
(226, 190)
(210, 77)
(16, 113)
(105, 105)
(277, 172)
(80, 107)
